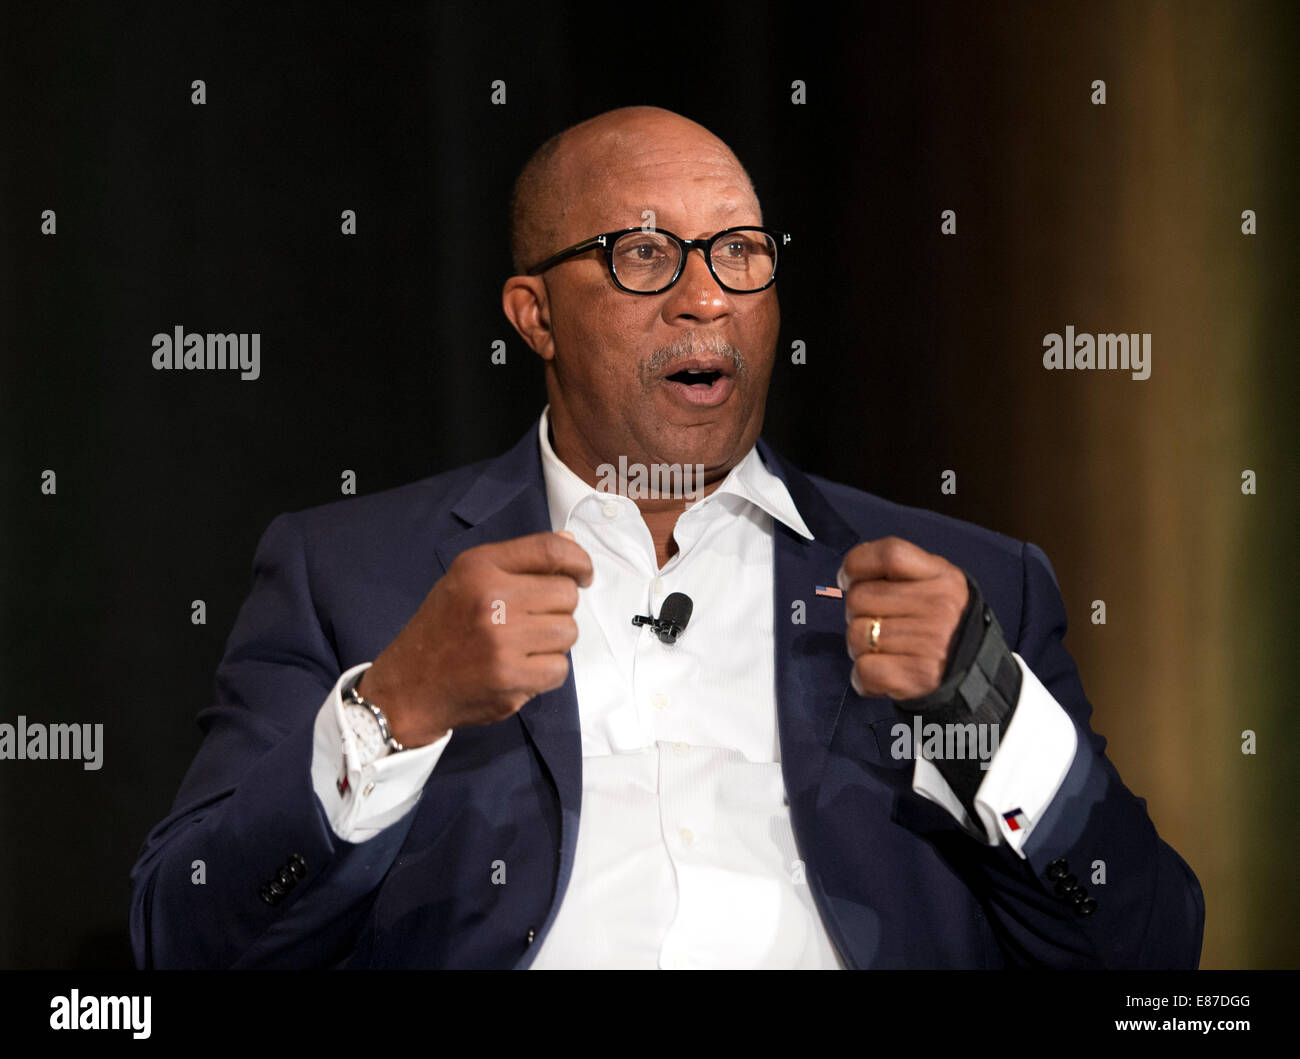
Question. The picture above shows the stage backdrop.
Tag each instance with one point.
(962, 182)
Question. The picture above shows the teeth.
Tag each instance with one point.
(696, 377)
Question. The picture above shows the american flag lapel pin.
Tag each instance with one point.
(829, 591)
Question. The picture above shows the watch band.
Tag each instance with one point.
(352, 697)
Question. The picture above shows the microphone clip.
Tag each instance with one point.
(673, 616)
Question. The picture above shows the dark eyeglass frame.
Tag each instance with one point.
(606, 241)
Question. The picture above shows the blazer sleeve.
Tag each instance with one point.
(247, 815)
(1149, 911)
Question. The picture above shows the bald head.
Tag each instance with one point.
(611, 354)
(583, 163)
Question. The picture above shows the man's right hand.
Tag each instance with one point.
(493, 632)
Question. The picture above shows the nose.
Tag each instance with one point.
(696, 297)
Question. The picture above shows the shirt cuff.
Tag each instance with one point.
(375, 795)
(1027, 769)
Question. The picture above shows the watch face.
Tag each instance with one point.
(364, 726)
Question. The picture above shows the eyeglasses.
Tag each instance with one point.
(650, 260)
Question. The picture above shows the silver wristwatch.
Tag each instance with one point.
(369, 726)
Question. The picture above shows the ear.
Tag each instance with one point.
(526, 305)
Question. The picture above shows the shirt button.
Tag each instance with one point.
(610, 508)
(682, 748)
(687, 836)
(660, 702)
(659, 586)
(365, 791)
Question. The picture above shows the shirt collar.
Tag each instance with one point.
(749, 479)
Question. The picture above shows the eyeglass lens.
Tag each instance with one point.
(647, 261)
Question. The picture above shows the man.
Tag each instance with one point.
(441, 741)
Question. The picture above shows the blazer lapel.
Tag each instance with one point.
(812, 663)
(509, 500)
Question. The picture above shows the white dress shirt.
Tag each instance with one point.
(685, 853)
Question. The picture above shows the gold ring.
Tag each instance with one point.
(875, 634)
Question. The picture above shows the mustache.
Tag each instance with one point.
(690, 345)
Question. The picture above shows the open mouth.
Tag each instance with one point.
(701, 385)
(695, 378)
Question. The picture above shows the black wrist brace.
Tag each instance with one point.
(981, 684)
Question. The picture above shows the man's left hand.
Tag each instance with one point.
(915, 601)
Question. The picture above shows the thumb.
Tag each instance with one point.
(567, 534)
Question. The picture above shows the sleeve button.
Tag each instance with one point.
(1066, 885)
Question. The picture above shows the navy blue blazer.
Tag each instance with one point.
(897, 881)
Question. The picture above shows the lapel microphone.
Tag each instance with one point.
(673, 616)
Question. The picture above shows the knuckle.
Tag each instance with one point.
(553, 550)
(569, 592)
(855, 636)
(568, 630)
(557, 672)
(468, 562)
(446, 587)
(514, 702)
(854, 556)
(931, 676)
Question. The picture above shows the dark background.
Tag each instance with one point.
(923, 351)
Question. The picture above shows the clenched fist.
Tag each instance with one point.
(914, 601)
(492, 633)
